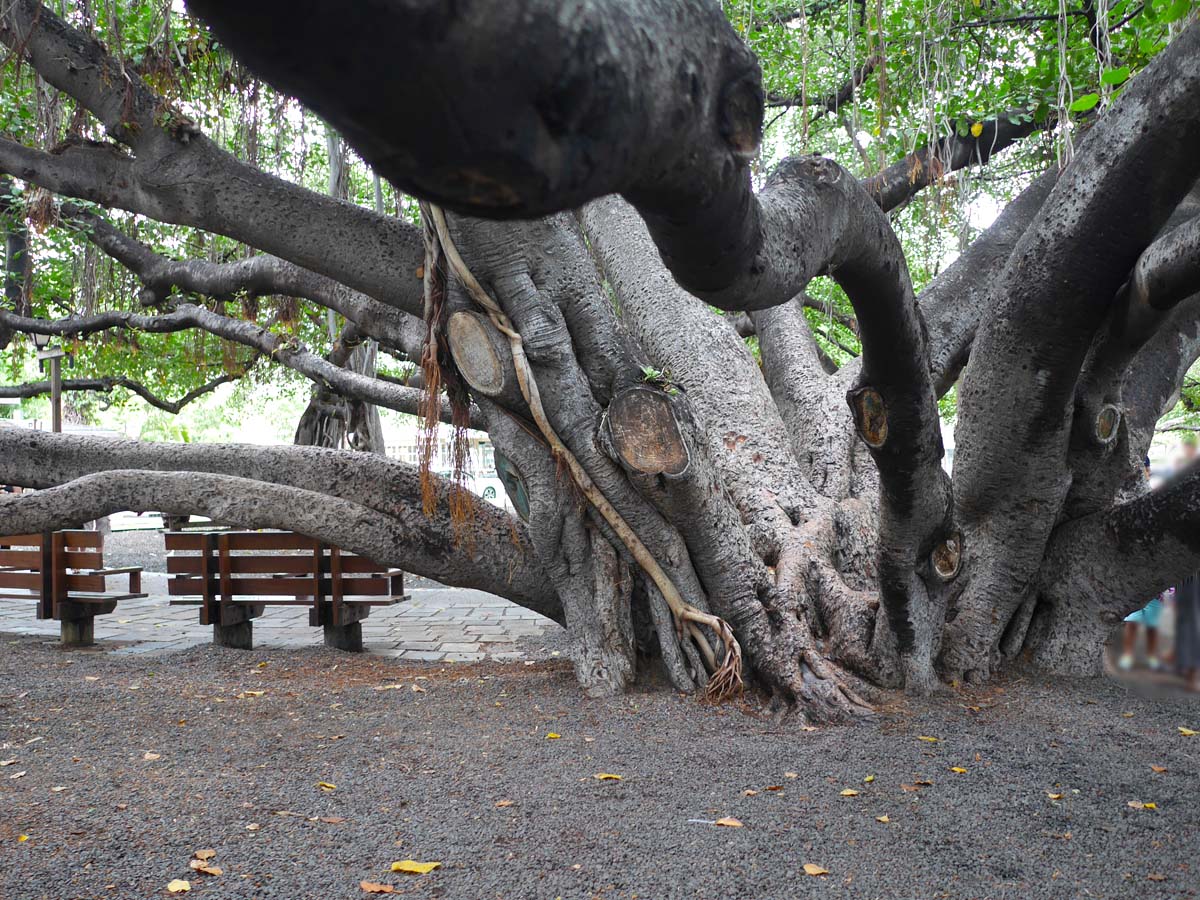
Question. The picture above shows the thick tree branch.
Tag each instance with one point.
(921, 168)
(1017, 397)
(492, 553)
(179, 176)
(953, 304)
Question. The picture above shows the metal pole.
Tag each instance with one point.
(56, 394)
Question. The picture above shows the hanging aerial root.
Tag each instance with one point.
(726, 679)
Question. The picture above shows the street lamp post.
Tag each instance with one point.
(55, 356)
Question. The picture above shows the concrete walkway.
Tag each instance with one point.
(437, 624)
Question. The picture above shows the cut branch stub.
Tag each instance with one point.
(1107, 421)
(643, 433)
(870, 416)
(947, 556)
(483, 357)
(514, 484)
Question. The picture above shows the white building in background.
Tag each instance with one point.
(402, 437)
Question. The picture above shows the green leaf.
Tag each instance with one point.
(1115, 76)
(1176, 11)
(1084, 103)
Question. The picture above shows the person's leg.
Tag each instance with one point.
(1128, 642)
(1152, 648)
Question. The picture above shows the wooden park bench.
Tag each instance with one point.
(235, 575)
(64, 572)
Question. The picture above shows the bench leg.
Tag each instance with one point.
(239, 636)
(77, 631)
(344, 637)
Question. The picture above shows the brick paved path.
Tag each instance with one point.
(438, 623)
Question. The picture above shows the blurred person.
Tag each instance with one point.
(1187, 603)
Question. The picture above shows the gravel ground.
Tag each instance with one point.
(132, 765)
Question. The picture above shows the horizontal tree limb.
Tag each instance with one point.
(491, 552)
(109, 383)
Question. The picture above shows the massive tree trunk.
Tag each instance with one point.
(681, 505)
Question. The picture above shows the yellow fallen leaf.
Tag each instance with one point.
(1158, 769)
(977, 129)
(883, 819)
(1149, 806)
(1126, 715)
(1054, 796)
(204, 854)
(959, 769)
(849, 792)
(553, 736)
(868, 779)
(415, 868)
(326, 786)
(1187, 732)
(247, 694)
(261, 665)
(606, 776)
(374, 887)
(728, 822)
(1138, 804)
(927, 739)
(22, 838)
(814, 870)
(179, 886)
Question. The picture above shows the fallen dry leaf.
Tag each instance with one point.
(1138, 804)
(814, 870)
(791, 775)
(1187, 732)
(849, 792)
(868, 779)
(333, 820)
(151, 757)
(417, 689)
(1155, 876)
(6, 762)
(374, 887)
(728, 822)
(326, 786)
(179, 886)
(910, 787)
(15, 775)
(204, 854)
(91, 677)
(413, 867)
(606, 776)
(1054, 796)
(773, 787)
(749, 793)
(57, 789)
(501, 804)
(200, 865)
(1126, 715)
(883, 819)
(253, 826)
(22, 838)
(1158, 769)
(927, 739)
(959, 769)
